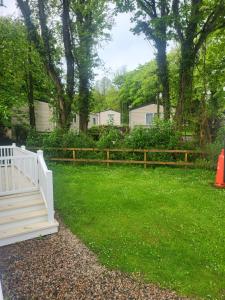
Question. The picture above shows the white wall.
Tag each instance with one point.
(137, 117)
(104, 118)
(43, 116)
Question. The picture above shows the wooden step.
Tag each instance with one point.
(8, 209)
(17, 220)
(20, 198)
(31, 231)
(18, 195)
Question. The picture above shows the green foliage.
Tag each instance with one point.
(14, 52)
(59, 139)
(164, 224)
(104, 101)
(35, 139)
(215, 148)
(139, 86)
(21, 132)
(111, 138)
(161, 135)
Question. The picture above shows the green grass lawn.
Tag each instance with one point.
(166, 225)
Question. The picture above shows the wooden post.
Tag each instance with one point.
(107, 157)
(74, 154)
(186, 157)
(145, 159)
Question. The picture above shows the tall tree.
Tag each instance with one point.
(152, 19)
(91, 22)
(194, 21)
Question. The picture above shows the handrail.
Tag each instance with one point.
(46, 185)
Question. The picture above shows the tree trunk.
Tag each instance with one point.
(70, 76)
(185, 85)
(163, 76)
(30, 92)
(84, 97)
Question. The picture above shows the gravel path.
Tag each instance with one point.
(61, 267)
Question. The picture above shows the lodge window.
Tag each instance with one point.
(149, 118)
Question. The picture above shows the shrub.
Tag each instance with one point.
(111, 138)
(161, 135)
(35, 139)
(215, 148)
(21, 132)
(59, 139)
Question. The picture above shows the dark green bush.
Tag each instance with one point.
(111, 138)
(35, 139)
(215, 148)
(161, 135)
(20, 131)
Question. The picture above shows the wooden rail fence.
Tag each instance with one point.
(108, 160)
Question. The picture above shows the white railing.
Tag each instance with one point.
(45, 185)
(18, 170)
(24, 171)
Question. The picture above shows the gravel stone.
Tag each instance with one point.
(60, 266)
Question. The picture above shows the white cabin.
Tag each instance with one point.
(107, 117)
(144, 115)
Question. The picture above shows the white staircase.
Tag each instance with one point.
(26, 197)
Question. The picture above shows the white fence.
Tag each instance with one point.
(25, 171)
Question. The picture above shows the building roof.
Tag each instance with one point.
(143, 105)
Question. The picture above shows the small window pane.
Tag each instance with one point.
(149, 118)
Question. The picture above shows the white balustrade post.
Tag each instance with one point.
(50, 196)
(23, 147)
(40, 153)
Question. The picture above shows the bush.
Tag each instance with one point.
(215, 148)
(59, 139)
(161, 135)
(21, 132)
(111, 138)
(35, 139)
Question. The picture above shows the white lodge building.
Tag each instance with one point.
(107, 117)
(144, 115)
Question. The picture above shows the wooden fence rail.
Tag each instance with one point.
(108, 160)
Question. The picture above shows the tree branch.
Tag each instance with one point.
(214, 22)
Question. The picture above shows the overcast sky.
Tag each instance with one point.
(124, 49)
